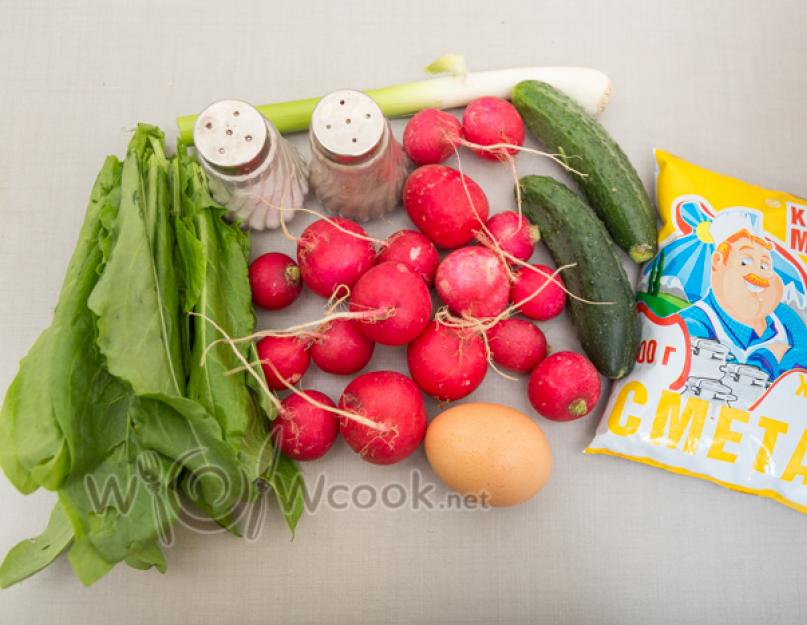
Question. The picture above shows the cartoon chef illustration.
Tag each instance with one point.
(742, 294)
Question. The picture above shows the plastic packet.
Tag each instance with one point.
(719, 390)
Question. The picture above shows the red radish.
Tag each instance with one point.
(340, 348)
(394, 402)
(490, 120)
(514, 234)
(548, 303)
(393, 288)
(447, 363)
(329, 257)
(430, 136)
(283, 357)
(302, 430)
(275, 281)
(517, 344)
(414, 250)
(437, 203)
(565, 386)
(473, 281)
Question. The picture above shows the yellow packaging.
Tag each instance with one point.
(719, 390)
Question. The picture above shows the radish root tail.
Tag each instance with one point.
(379, 427)
(301, 209)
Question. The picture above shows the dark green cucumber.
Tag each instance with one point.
(611, 183)
(608, 332)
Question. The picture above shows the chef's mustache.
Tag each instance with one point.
(756, 280)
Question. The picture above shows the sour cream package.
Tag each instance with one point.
(719, 390)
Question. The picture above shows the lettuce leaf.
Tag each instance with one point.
(50, 390)
(112, 407)
(218, 254)
(215, 254)
(136, 298)
(34, 554)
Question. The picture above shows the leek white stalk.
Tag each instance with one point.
(590, 87)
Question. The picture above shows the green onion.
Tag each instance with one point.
(589, 87)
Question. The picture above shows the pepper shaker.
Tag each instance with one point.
(252, 170)
(357, 168)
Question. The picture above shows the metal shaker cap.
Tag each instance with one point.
(348, 126)
(231, 136)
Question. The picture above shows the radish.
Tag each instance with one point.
(473, 281)
(275, 281)
(513, 233)
(391, 288)
(340, 348)
(447, 363)
(548, 303)
(489, 121)
(431, 136)
(283, 358)
(565, 386)
(302, 430)
(391, 400)
(414, 250)
(438, 204)
(329, 256)
(517, 344)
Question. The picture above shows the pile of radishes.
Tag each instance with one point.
(383, 296)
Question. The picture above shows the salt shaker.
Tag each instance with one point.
(357, 167)
(252, 170)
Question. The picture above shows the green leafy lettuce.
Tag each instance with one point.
(113, 407)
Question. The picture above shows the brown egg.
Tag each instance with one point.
(481, 448)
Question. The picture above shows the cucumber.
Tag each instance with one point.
(609, 333)
(611, 183)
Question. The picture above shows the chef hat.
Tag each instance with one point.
(731, 221)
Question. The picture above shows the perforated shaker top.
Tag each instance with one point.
(348, 125)
(231, 136)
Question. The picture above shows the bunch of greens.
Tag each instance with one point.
(115, 396)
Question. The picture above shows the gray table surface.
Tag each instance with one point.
(723, 83)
